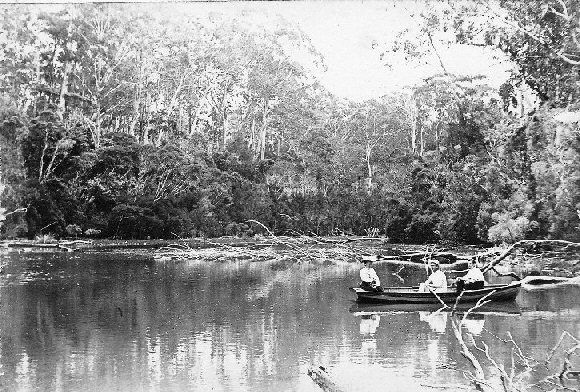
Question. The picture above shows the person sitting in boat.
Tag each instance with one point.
(437, 281)
(369, 279)
(473, 280)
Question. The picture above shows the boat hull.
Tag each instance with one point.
(411, 295)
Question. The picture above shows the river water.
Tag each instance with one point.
(124, 322)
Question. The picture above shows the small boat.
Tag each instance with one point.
(411, 295)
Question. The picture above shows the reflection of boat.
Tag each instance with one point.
(474, 323)
(369, 323)
(361, 309)
(496, 292)
(437, 320)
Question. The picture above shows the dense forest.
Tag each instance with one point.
(115, 123)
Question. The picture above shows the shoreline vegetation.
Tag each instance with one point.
(548, 257)
(184, 126)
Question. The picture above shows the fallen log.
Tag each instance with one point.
(321, 377)
(442, 257)
(64, 245)
(534, 246)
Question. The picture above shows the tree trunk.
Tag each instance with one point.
(137, 100)
(189, 121)
(421, 142)
(369, 181)
(252, 141)
(262, 147)
(37, 79)
(98, 122)
(64, 88)
(226, 125)
(98, 119)
(414, 139)
(411, 112)
(437, 139)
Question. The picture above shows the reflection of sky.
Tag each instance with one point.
(203, 325)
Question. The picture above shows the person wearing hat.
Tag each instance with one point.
(473, 280)
(437, 281)
(369, 278)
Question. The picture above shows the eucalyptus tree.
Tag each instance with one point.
(26, 57)
(377, 131)
(12, 174)
(532, 174)
(541, 37)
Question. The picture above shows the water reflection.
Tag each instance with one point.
(437, 320)
(369, 324)
(110, 322)
(368, 327)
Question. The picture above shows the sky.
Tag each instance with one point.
(350, 36)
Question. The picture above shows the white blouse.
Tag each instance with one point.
(368, 274)
(437, 279)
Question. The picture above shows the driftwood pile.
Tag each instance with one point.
(318, 249)
(536, 251)
(298, 249)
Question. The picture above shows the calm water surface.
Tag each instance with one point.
(115, 322)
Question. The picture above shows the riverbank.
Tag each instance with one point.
(344, 248)
(195, 243)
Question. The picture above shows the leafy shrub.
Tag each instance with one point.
(73, 230)
(237, 229)
(92, 232)
(508, 230)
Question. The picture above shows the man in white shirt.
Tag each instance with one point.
(437, 281)
(369, 279)
(473, 280)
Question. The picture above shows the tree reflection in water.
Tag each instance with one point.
(114, 322)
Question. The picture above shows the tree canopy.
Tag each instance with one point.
(115, 123)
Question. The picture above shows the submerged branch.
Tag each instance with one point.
(479, 376)
(321, 377)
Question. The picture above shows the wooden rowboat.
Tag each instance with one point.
(411, 295)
